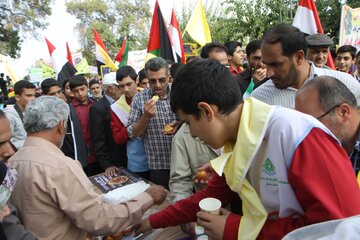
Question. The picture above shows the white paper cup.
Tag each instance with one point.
(210, 205)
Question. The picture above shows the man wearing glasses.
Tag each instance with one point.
(150, 113)
(331, 102)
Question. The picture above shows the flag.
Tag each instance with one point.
(159, 44)
(69, 57)
(47, 71)
(176, 38)
(249, 90)
(102, 56)
(123, 54)
(10, 72)
(60, 64)
(308, 21)
(82, 67)
(198, 27)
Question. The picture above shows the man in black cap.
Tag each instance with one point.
(318, 49)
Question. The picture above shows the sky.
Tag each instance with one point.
(61, 30)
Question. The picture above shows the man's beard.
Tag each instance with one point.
(290, 79)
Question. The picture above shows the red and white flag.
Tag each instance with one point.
(60, 64)
(69, 57)
(102, 55)
(308, 21)
(176, 38)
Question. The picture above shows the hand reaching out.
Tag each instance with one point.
(204, 173)
(110, 171)
(143, 226)
(214, 225)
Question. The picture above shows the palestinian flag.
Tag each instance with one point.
(176, 38)
(123, 54)
(102, 56)
(160, 44)
(69, 57)
(61, 65)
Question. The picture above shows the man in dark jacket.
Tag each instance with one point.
(108, 154)
(74, 145)
(256, 70)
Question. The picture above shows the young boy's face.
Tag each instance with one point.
(96, 90)
(81, 93)
(344, 61)
(208, 128)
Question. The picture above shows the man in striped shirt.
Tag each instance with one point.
(283, 51)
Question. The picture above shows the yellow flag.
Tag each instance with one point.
(10, 72)
(198, 27)
(47, 71)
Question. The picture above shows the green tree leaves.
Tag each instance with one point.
(113, 19)
(19, 18)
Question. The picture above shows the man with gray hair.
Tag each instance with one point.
(55, 198)
(331, 102)
(150, 113)
(108, 154)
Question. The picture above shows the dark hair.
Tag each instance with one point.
(170, 62)
(231, 47)
(1, 74)
(347, 48)
(175, 69)
(19, 86)
(204, 80)
(331, 92)
(358, 54)
(76, 81)
(125, 71)
(253, 46)
(93, 81)
(213, 46)
(141, 74)
(290, 38)
(155, 64)
(47, 84)
(64, 83)
(190, 58)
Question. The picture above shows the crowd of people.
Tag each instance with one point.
(277, 138)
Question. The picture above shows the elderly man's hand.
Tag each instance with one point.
(214, 225)
(158, 193)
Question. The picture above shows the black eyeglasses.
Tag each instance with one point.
(329, 111)
(160, 80)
